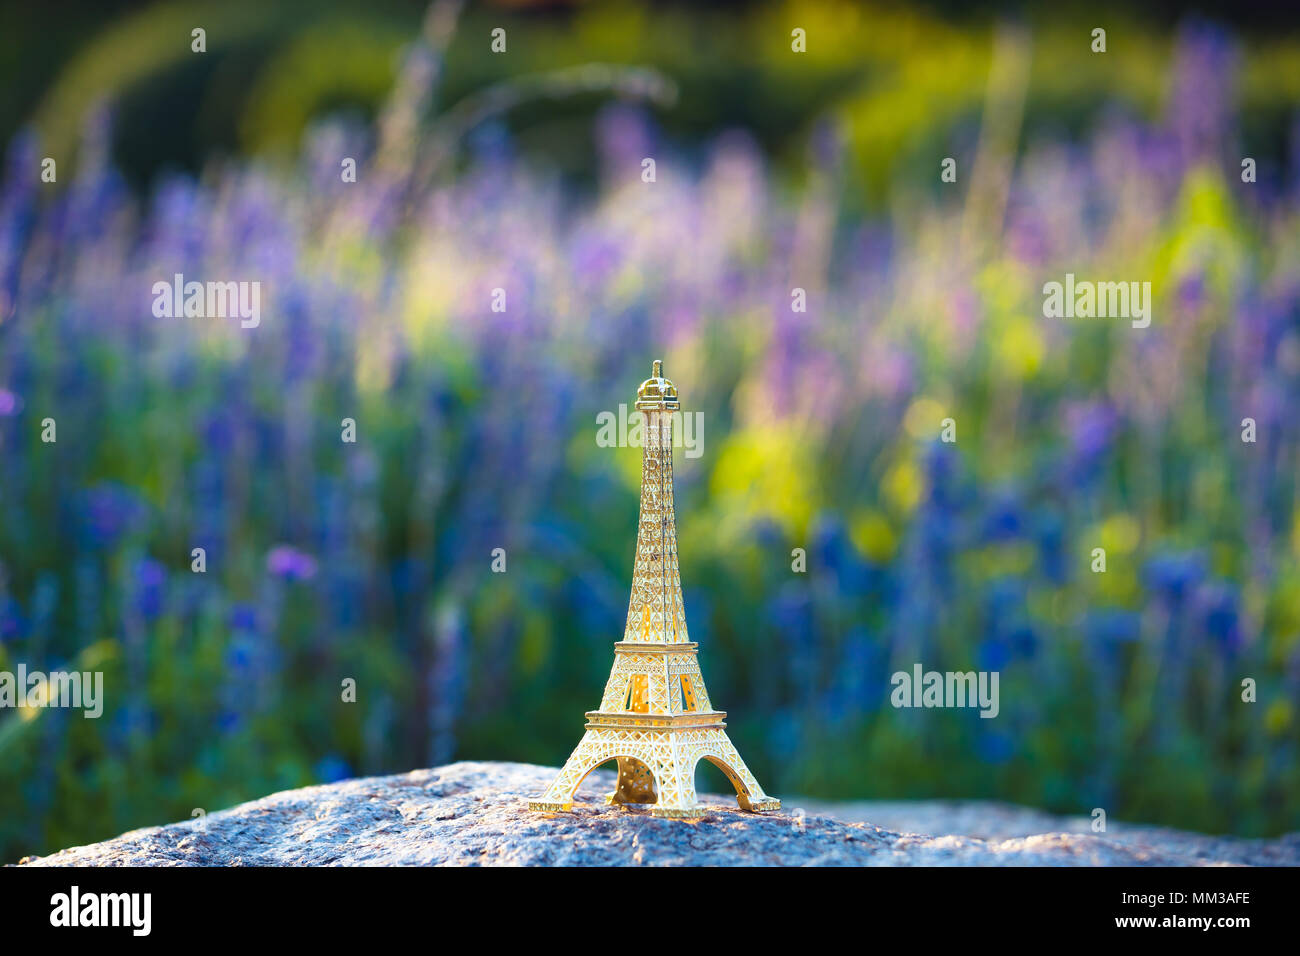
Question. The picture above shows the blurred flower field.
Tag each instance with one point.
(477, 430)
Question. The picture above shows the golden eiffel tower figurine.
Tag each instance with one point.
(655, 718)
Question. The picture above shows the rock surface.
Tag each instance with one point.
(474, 814)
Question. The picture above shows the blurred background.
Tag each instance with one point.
(476, 430)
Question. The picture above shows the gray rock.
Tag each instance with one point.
(474, 814)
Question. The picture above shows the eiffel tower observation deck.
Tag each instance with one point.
(655, 717)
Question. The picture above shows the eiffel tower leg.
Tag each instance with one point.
(722, 754)
(591, 752)
(636, 783)
(675, 768)
(677, 793)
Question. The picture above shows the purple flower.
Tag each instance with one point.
(1192, 291)
(110, 510)
(289, 563)
(332, 767)
(995, 746)
(243, 617)
(12, 623)
(1106, 628)
(228, 721)
(1091, 427)
(10, 404)
(238, 658)
(1024, 641)
(1172, 574)
(1217, 603)
(1003, 519)
(1049, 536)
(595, 257)
(623, 135)
(993, 654)
(149, 582)
(1201, 100)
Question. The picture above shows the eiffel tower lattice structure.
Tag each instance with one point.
(655, 717)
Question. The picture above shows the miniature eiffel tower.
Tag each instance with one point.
(655, 718)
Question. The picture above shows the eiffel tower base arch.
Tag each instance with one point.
(668, 758)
